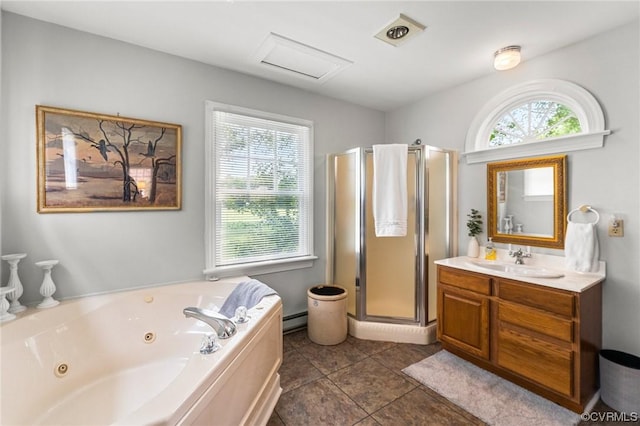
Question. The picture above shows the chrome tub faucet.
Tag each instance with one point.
(222, 325)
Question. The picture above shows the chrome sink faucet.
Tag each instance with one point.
(222, 325)
(519, 254)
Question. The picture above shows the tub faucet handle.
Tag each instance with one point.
(241, 315)
(209, 344)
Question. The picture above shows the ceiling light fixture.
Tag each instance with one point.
(400, 30)
(506, 58)
(397, 32)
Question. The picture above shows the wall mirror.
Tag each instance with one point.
(526, 201)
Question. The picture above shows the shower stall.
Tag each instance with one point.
(390, 281)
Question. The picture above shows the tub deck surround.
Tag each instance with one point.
(571, 280)
(133, 358)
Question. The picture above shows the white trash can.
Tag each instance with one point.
(327, 310)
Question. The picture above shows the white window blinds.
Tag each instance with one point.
(263, 184)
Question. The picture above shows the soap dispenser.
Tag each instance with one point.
(490, 251)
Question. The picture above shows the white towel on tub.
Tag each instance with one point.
(390, 190)
(581, 248)
(247, 294)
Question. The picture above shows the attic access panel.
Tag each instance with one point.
(289, 56)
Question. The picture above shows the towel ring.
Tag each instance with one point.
(584, 209)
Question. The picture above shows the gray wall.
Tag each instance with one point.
(100, 252)
(607, 178)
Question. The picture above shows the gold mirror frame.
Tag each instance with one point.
(558, 163)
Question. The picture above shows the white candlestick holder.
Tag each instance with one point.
(4, 304)
(14, 282)
(48, 287)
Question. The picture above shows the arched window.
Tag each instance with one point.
(536, 118)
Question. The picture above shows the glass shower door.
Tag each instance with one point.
(390, 263)
(346, 223)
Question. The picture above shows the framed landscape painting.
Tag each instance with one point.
(95, 162)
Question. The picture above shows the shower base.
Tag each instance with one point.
(399, 333)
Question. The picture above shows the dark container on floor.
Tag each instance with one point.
(620, 380)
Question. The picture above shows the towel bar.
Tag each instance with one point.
(584, 209)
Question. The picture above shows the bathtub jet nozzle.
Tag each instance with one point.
(222, 325)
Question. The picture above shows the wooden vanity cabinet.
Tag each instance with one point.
(544, 339)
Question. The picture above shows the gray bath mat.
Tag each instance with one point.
(490, 398)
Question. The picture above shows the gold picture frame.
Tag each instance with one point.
(91, 162)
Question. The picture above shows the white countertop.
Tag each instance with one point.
(571, 280)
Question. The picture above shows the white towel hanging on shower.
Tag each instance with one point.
(390, 190)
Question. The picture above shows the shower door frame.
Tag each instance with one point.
(419, 309)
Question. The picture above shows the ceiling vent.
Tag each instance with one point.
(288, 56)
(400, 30)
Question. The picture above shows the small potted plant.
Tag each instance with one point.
(474, 226)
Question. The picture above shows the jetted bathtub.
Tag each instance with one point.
(132, 358)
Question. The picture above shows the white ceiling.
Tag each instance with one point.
(457, 46)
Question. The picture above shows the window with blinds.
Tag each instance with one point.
(262, 182)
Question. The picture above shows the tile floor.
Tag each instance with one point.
(360, 382)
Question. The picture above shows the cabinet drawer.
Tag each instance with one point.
(536, 320)
(536, 360)
(468, 281)
(556, 301)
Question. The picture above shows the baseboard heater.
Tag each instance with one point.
(289, 325)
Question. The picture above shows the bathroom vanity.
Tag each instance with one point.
(541, 333)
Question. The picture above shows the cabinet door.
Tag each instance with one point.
(463, 320)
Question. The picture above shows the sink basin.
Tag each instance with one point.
(519, 270)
